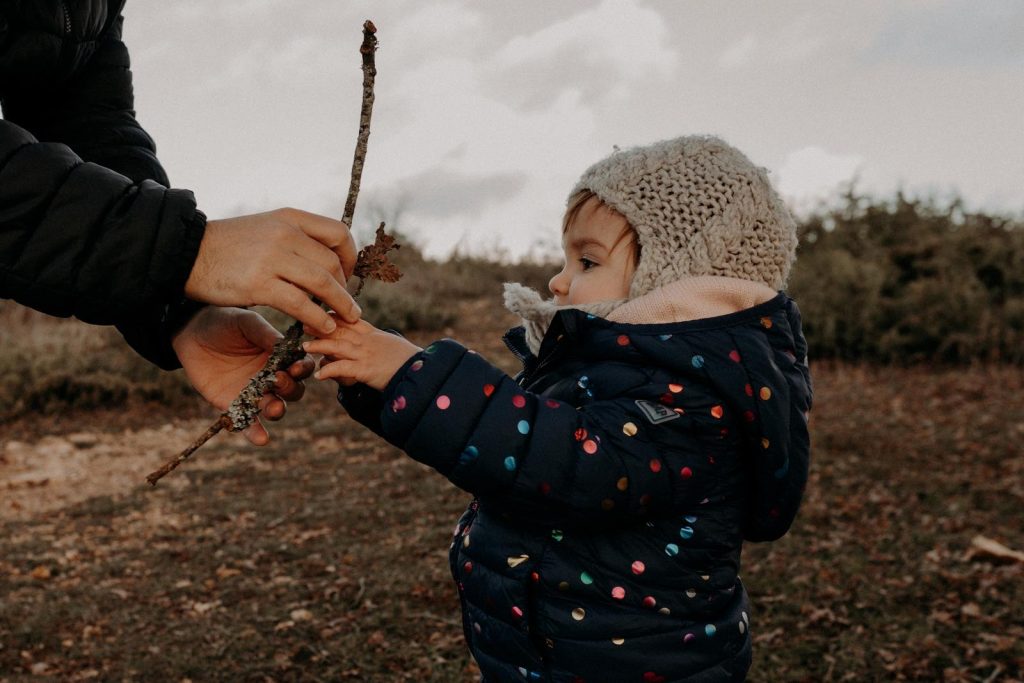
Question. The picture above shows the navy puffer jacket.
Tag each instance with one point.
(615, 482)
(88, 227)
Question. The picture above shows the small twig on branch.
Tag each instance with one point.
(245, 409)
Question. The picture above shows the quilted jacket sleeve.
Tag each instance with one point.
(778, 455)
(454, 411)
(88, 227)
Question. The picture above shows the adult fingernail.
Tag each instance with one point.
(305, 346)
(330, 326)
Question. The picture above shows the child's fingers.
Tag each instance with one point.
(340, 369)
(358, 328)
(336, 348)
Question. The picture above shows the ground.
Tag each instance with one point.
(323, 555)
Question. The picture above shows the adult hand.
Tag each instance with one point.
(277, 259)
(222, 348)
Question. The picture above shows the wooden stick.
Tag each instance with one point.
(222, 422)
(368, 49)
(244, 410)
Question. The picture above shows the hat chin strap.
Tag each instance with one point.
(537, 312)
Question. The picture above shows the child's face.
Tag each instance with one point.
(599, 261)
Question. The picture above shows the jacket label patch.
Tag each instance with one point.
(655, 412)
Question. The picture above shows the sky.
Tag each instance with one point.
(487, 112)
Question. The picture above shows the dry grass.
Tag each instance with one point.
(322, 556)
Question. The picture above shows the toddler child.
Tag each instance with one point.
(659, 420)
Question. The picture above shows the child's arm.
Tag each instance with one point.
(543, 459)
(362, 359)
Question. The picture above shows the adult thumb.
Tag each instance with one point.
(258, 331)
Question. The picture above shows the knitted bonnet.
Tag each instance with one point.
(699, 207)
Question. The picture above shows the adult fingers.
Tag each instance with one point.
(301, 369)
(333, 234)
(310, 250)
(287, 388)
(257, 330)
(272, 408)
(256, 434)
(360, 327)
(291, 300)
(321, 284)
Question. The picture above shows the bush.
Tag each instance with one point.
(426, 296)
(51, 365)
(911, 280)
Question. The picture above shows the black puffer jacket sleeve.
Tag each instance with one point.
(88, 227)
(451, 409)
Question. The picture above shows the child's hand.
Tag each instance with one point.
(359, 352)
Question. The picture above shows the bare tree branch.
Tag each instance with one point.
(244, 410)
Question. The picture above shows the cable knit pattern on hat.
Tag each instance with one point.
(699, 207)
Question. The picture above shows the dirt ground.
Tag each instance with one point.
(323, 555)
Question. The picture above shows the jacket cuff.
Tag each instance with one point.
(363, 403)
(151, 336)
(182, 258)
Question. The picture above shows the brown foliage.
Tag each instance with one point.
(373, 263)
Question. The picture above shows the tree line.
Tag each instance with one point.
(908, 280)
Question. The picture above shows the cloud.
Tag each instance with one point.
(739, 53)
(812, 173)
(617, 34)
(795, 41)
(952, 33)
(442, 193)
(487, 112)
(599, 51)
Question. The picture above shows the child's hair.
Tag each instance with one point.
(697, 206)
(572, 211)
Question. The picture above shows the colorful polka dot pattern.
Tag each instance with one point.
(726, 394)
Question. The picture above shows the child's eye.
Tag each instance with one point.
(587, 263)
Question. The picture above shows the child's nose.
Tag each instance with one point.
(557, 284)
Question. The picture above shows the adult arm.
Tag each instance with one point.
(95, 233)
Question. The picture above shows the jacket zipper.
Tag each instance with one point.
(67, 18)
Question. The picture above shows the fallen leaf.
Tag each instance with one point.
(982, 545)
(224, 572)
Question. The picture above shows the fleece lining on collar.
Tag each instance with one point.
(691, 298)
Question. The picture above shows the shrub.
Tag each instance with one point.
(911, 280)
(51, 365)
